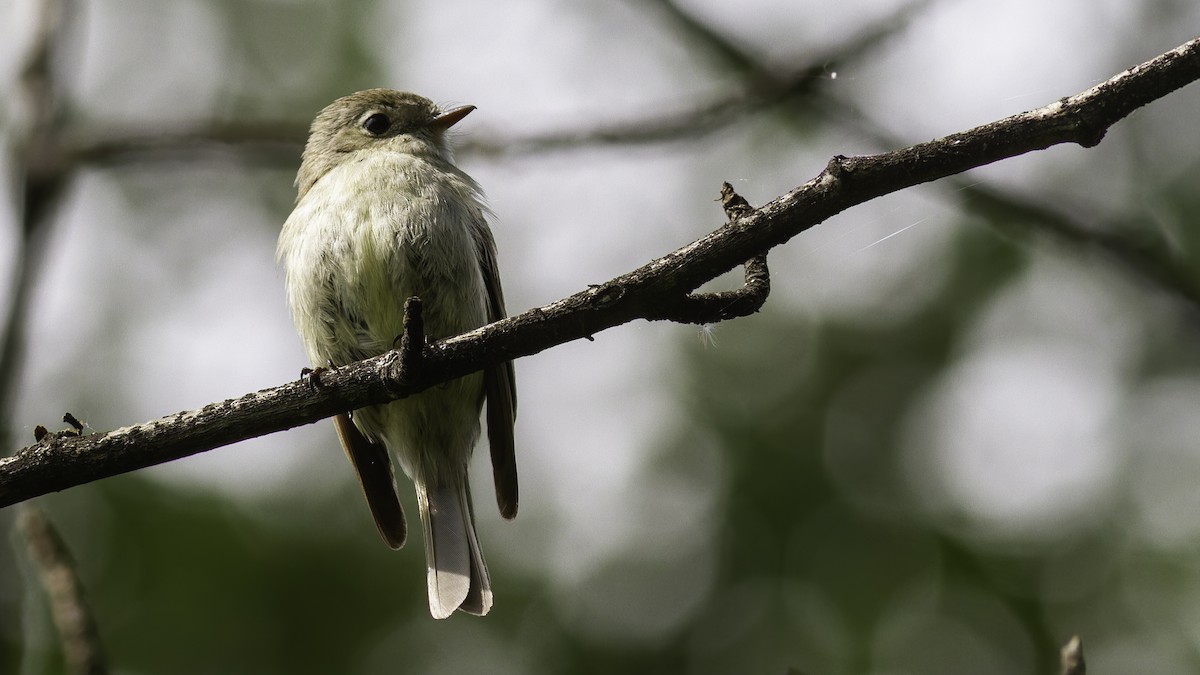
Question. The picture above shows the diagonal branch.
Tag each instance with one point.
(69, 608)
(761, 88)
(1127, 241)
(725, 305)
(1145, 259)
(1148, 261)
(280, 143)
(62, 461)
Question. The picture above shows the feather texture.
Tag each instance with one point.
(383, 215)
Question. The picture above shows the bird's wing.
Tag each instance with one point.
(374, 469)
(500, 385)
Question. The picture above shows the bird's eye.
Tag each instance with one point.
(377, 124)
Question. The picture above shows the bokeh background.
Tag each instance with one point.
(963, 429)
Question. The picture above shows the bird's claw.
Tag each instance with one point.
(312, 376)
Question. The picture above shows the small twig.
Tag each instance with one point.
(734, 204)
(82, 649)
(41, 433)
(736, 207)
(1072, 657)
(704, 308)
(412, 342)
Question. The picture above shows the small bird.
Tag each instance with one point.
(383, 214)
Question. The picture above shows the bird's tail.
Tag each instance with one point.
(458, 577)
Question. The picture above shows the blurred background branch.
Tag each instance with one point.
(38, 174)
(759, 88)
(82, 649)
(1135, 247)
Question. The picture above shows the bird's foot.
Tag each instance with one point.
(312, 376)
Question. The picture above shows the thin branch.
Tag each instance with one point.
(82, 648)
(281, 142)
(35, 160)
(796, 87)
(61, 461)
(724, 305)
(761, 88)
(1147, 262)
(1145, 259)
(412, 340)
(266, 143)
(736, 57)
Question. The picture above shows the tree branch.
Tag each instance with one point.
(1145, 259)
(1127, 241)
(761, 88)
(725, 305)
(280, 142)
(62, 461)
(1148, 261)
(82, 649)
(39, 176)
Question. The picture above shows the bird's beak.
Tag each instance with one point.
(450, 117)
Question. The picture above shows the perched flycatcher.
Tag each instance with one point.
(383, 214)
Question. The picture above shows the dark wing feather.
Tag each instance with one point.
(500, 387)
(374, 469)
